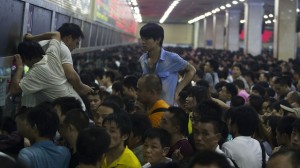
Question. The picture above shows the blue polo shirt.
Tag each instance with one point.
(45, 154)
(167, 68)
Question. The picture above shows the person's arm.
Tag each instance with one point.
(188, 76)
(44, 36)
(74, 79)
(15, 87)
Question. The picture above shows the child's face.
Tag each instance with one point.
(153, 151)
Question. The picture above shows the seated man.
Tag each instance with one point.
(40, 127)
(149, 89)
(45, 80)
(118, 126)
(156, 147)
(92, 144)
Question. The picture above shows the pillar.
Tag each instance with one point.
(218, 31)
(232, 27)
(254, 13)
(208, 30)
(201, 34)
(196, 35)
(285, 38)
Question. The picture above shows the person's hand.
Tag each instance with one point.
(177, 155)
(86, 90)
(27, 37)
(19, 62)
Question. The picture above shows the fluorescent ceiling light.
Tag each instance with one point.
(298, 10)
(228, 5)
(242, 21)
(235, 2)
(222, 7)
(270, 15)
(168, 11)
(217, 10)
(266, 16)
(242, 0)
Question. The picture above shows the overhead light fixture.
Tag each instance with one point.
(270, 15)
(228, 5)
(242, 0)
(168, 11)
(222, 7)
(135, 10)
(242, 21)
(266, 16)
(207, 14)
(298, 10)
(196, 19)
(213, 11)
(274, 20)
(235, 2)
(217, 10)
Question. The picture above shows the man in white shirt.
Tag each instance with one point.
(245, 151)
(45, 79)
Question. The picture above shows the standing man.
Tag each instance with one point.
(163, 63)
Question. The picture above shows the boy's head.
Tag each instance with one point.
(140, 124)
(152, 31)
(30, 51)
(42, 122)
(92, 144)
(76, 120)
(157, 142)
(118, 126)
(64, 104)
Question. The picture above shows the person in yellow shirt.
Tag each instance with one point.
(118, 126)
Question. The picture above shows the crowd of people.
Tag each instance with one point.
(148, 106)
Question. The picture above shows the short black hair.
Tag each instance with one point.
(237, 101)
(162, 135)
(110, 74)
(77, 118)
(231, 89)
(201, 93)
(130, 81)
(92, 144)
(67, 103)
(246, 120)
(45, 119)
(259, 89)
(214, 64)
(296, 125)
(140, 124)
(239, 84)
(207, 157)
(203, 83)
(122, 121)
(8, 124)
(209, 109)
(114, 100)
(285, 125)
(284, 80)
(30, 50)
(179, 118)
(70, 29)
(256, 102)
(292, 154)
(154, 31)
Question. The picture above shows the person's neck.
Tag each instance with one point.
(152, 102)
(155, 53)
(176, 137)
(39, 139)
(114, 153)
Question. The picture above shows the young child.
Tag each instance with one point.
(156, 146)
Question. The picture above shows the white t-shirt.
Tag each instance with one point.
(45, 80)
(244, 151)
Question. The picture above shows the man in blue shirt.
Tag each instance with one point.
(164, 63)
(41, 124)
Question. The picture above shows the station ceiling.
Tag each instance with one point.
(153, 10)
